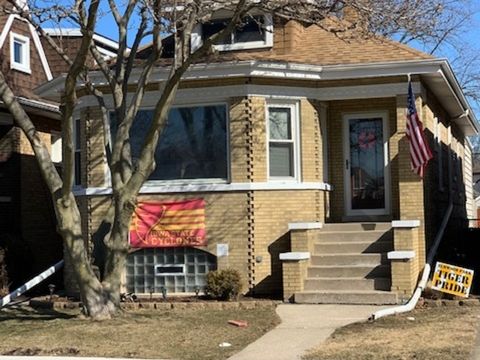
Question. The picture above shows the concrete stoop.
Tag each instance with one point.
(349, 266)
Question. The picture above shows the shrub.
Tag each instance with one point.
(3, 274)
(223, 284)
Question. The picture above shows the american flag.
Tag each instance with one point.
(420, 152)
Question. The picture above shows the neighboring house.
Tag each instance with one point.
(27, 219)
(476, 189)
(292, 144)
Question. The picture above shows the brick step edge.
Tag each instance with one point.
(220, 305)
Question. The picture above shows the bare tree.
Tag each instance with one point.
(154, 19)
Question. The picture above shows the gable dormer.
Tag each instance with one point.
(22, 57)
(255, 32)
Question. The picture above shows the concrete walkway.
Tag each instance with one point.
(303, 327)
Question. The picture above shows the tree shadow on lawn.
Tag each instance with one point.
(21, 313)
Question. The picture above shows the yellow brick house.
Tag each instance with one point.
(297, 149)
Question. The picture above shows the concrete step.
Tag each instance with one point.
(363, 271)
(355, 236)
(358, 226)
(346, 297)
(351, 284)
(346, 247)
(349, 259)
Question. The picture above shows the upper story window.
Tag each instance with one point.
(282, 142)
(254, 32)
(193, 144)
(20, 52)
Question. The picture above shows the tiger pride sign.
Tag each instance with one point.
(452, 279)
(168, 224)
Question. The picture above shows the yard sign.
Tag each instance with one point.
(452, 279)
(168, 224)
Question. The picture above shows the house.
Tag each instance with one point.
(27, 220)
(295, 166)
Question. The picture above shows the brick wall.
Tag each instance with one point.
(253, 223)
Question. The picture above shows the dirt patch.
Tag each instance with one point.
(446, 333)
(38, 351)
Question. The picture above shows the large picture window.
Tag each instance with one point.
(193, 144)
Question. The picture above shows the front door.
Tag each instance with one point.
(366, 164)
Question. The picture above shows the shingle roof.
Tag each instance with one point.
(313, 45)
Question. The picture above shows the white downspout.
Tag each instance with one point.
(30, 284)
(410, 305)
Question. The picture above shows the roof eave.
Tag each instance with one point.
(431, 70)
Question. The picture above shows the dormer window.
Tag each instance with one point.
(255, 32)
(20, 53)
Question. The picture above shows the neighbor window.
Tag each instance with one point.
(20, 52)
(439, 150)
(193, 144)
(281, 144)
(78, 153)
(254, 32)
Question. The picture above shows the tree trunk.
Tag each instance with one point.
(99, 301)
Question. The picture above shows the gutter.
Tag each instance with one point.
(41, 105)
(297, 71)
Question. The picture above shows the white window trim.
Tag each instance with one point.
(25, 66)
(56, 147)
(295, 128)
(77, 149)
(154, 184)
(439, 150)
(196, 39)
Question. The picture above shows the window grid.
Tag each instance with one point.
(287, 141)
(141, 277)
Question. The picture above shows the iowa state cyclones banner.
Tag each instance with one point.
(168, 224)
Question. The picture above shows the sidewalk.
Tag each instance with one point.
(303, 327)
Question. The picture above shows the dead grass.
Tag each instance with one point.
(174, 334)
(444, 333)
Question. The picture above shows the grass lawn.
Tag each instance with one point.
(172, 334)
(443, 333)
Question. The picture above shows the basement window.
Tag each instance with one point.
(20, 53)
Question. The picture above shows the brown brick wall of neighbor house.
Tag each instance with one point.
(33, 226)
(21, 82)
(336, 111)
